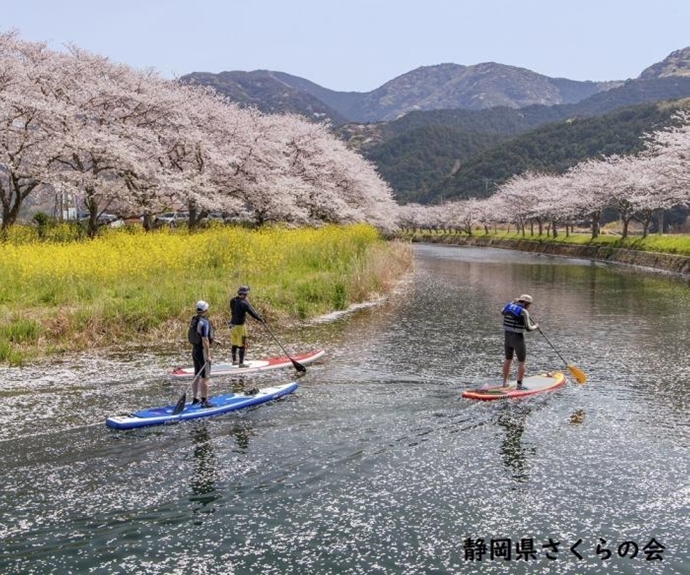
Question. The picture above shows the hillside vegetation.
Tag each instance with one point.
(471, 164)
(555, 148)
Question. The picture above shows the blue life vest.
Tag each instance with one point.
(513, 319)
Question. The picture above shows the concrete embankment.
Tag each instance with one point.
(666, 262)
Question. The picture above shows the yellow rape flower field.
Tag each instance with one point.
(59, 294)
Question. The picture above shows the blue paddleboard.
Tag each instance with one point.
(221, 404)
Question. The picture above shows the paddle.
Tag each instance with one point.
(179, 406)
(298, 366)
(579, 376)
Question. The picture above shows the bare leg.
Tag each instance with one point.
(506, 370)
(522, 367)
(203, 387)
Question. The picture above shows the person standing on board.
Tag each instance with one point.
(200, 335)
(239, 308)
(516, 321)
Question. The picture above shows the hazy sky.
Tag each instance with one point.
(358, 45)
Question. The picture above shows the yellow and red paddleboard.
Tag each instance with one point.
(531, 385)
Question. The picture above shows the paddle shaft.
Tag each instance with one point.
(298, 366)
(552, 346)
(579, 375)
(179, 406)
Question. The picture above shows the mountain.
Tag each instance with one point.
(675, 64)
(478, 87)
(269, 92)
(417, 162)
(553, 148)
(444, 86)
(401, 152)
(446, 131)
(509, 121)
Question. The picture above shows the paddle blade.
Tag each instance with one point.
(298, 366)
(179, 406)
(579, 376)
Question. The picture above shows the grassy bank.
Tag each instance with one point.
(678, 244)
(59, 294)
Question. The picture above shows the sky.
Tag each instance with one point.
(359, 45)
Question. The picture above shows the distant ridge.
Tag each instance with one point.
(443, 86)
(268, 92)
(675, 64)
(448, 131)
(427, 88)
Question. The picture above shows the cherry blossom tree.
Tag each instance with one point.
(131, 141)
(667, 158)
(104, 129)
(521, 195)
(25, 112)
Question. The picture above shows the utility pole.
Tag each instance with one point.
(68, 206)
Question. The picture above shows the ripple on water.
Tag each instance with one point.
(375, 465)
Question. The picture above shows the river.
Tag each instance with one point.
(376, 465)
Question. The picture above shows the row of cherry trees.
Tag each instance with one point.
(636, 187)
(130, 141)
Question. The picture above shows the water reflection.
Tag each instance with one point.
(204, 473)
(515, 454)
(241, 433)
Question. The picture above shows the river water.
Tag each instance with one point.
(376, 465)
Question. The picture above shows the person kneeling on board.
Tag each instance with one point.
(516, 321)
(200, 335)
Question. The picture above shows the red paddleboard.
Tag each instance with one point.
(531, 385)
(255, 365)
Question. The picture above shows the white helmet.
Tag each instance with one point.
(526, 298)
(201, 306)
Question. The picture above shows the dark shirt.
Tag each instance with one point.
(239, 308)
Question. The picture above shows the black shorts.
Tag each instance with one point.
(515, 342)
(198, 357)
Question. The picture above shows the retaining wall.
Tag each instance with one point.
(666, 262)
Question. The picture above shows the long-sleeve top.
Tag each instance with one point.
(239, 308)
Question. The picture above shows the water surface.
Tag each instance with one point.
(375, 465)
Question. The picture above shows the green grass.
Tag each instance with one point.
(678, 244)
(128, 286)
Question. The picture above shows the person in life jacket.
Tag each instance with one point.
(239, 308)
(200, 335)
(516, 321)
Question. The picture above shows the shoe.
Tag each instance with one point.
(196, 401)
(252, 391)
(520, 386)
(235, 362)
(206, 403)
(244, 365)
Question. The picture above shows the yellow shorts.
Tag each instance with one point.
(238, 335)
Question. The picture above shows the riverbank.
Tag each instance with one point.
(673, 263)
(128, 286)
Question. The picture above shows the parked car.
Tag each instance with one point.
(211, 218)
(171, 218)
(106, 218)
(103, 219)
